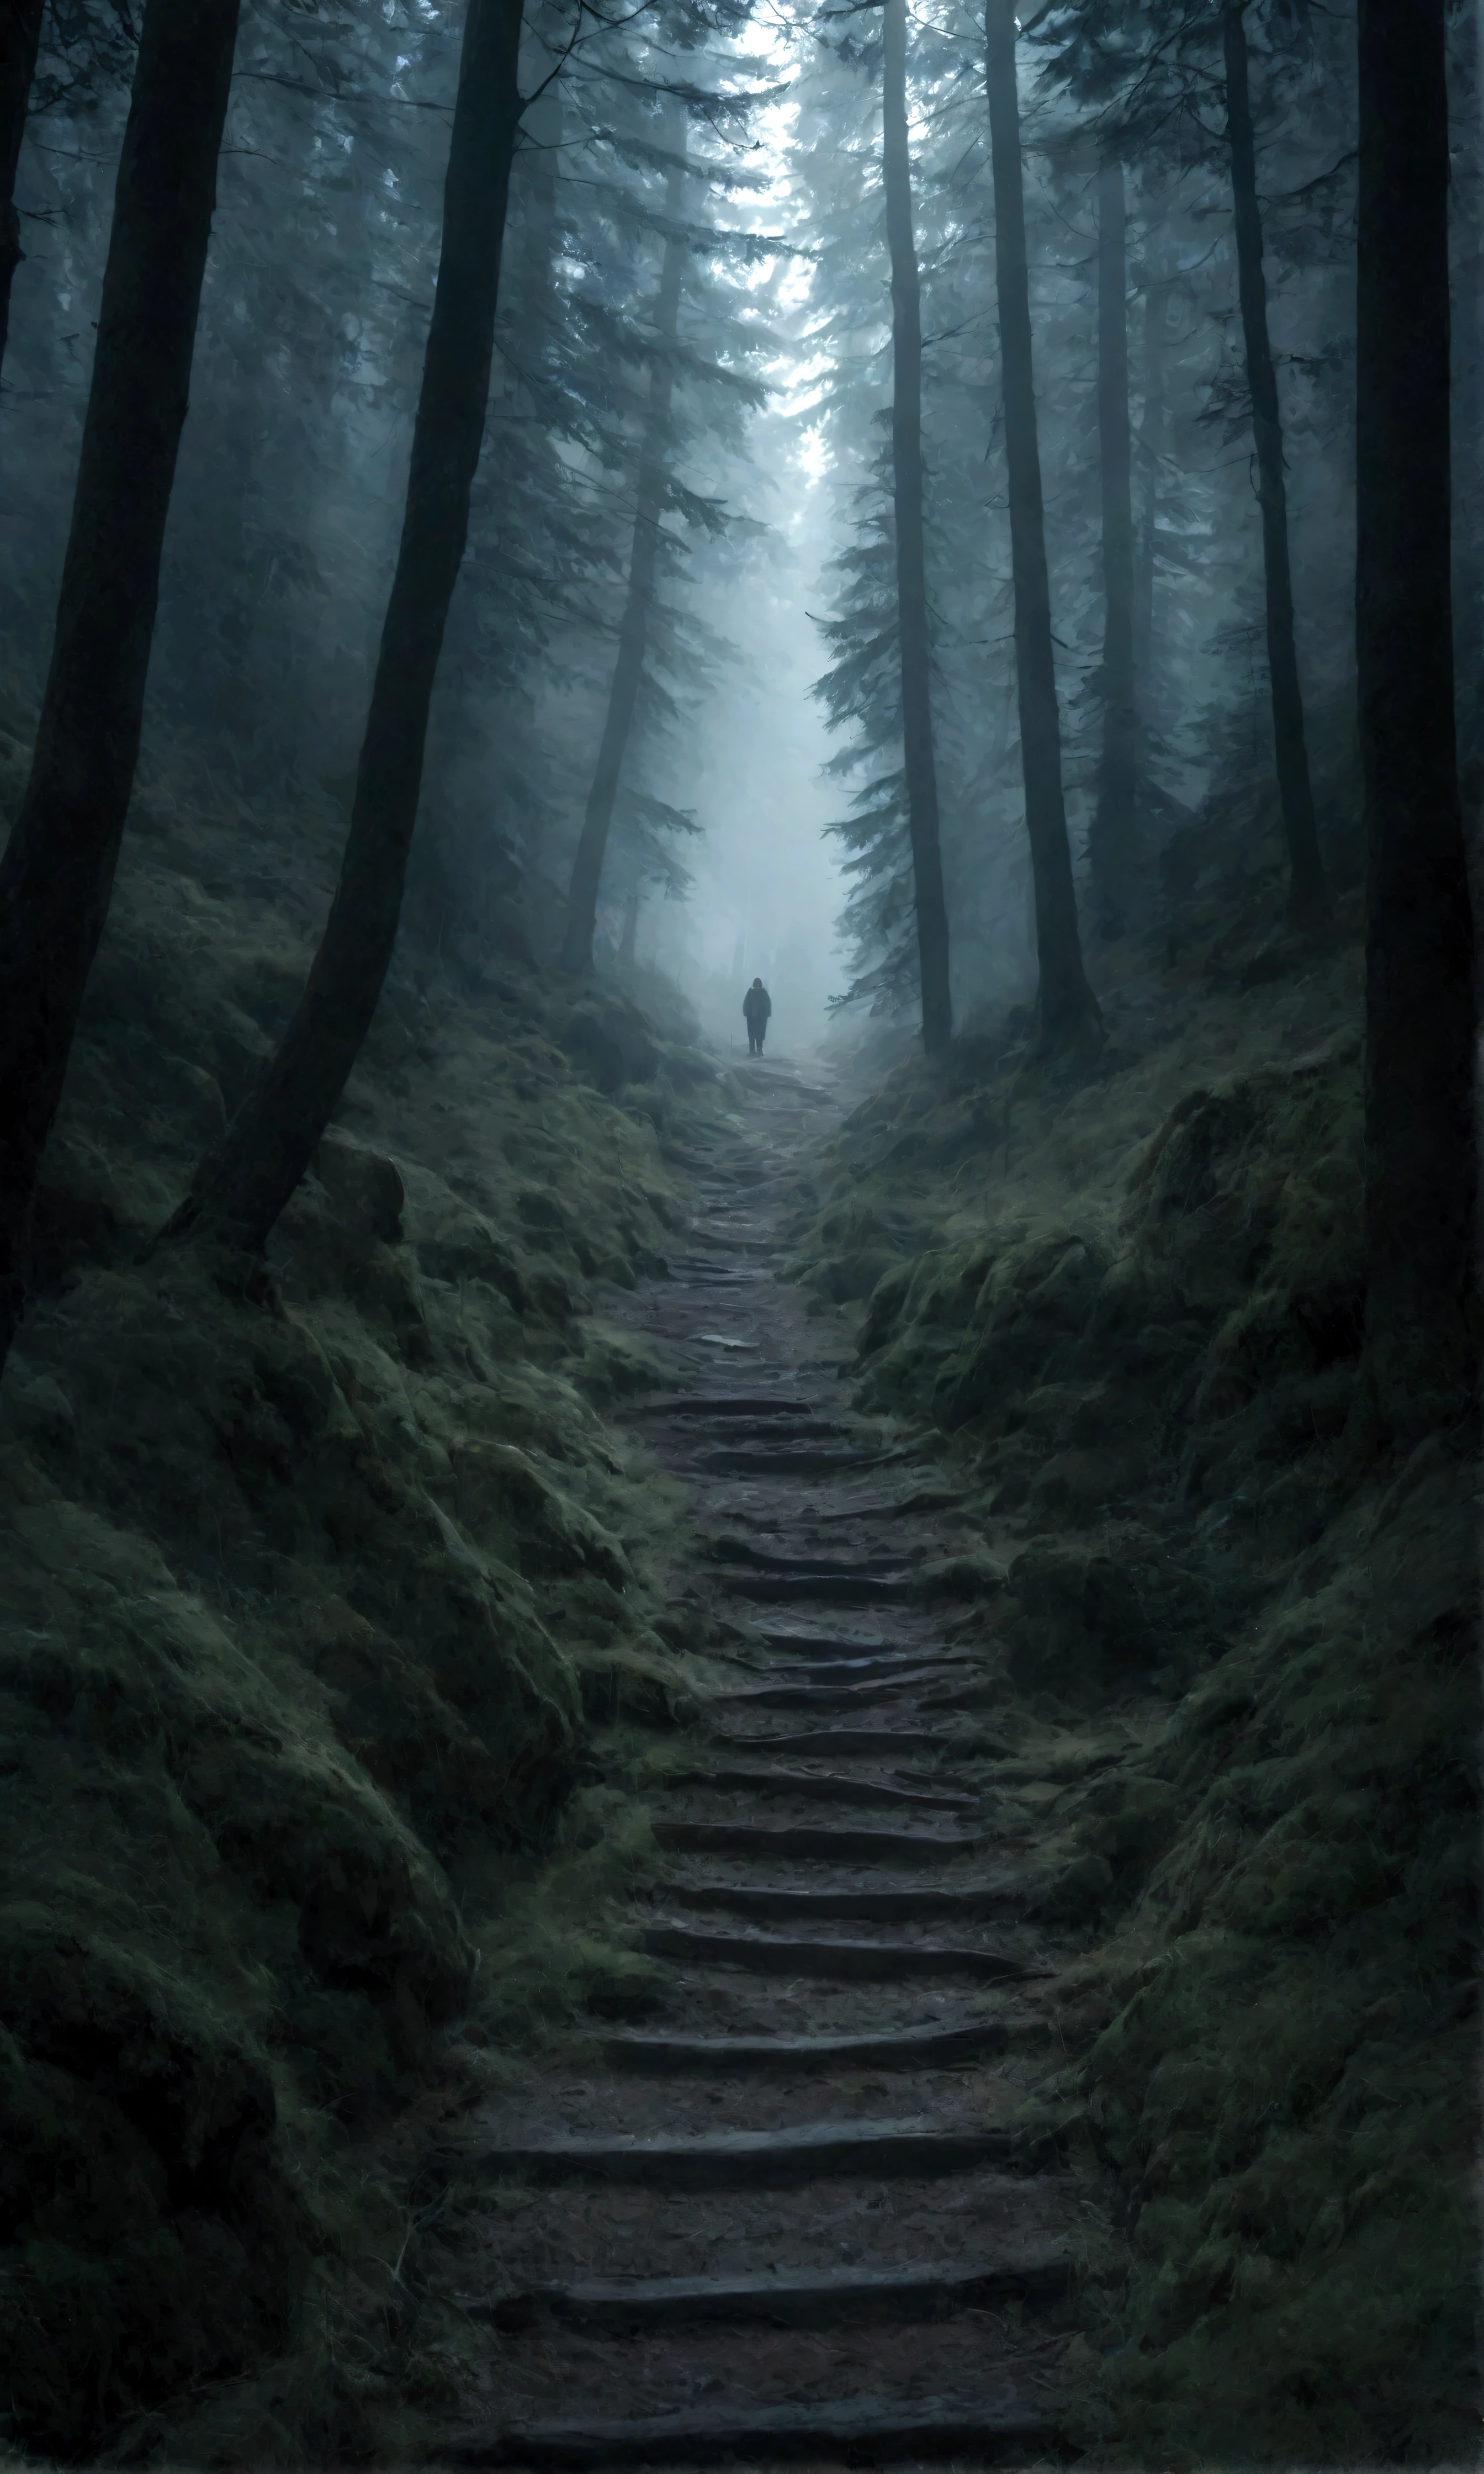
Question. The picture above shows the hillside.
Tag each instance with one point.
(315, 1594)
(1131, 1305)
(304, 1593)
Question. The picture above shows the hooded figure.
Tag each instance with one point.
(757, 1006)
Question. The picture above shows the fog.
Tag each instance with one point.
(897, 503)
(767, 891)
(776, 578)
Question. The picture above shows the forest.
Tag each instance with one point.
(526, 521)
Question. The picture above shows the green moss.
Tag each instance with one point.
(1283, 2092)
(308, 1585)
(1143, 1344)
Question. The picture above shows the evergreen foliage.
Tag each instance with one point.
(414, 420)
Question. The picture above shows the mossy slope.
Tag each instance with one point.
(1140, 1338)
(303, 1583)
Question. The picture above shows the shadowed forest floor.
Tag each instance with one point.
(423, 1714)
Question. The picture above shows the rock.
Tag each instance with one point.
(37, 1410)
(1128, 1816)
(1076, 1620)
(80, 1212)
(974, 1576)
(541, 1211)
(687, 1072)
(364, 1188)
(1080, 1893)
(611, 1040)
(387, 1288)
(454, 1242)
(545, 1532)
(553, 1295)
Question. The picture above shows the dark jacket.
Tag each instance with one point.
(758, 1004)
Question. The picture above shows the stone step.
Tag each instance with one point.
(766, 1432)
(816, 1786)
(871, 1962)
(858, 1743)
(847, 1846)
(838, 1589)
(728, 1550)
(827, 1645)
(905, 2049)
(729, 1240)
(695, 1274)
(830, 1696)
(721, 1404)
(865, 1906)
(858, 2429)
(801, 1463)
(848, 1674)
(1035, 2274)
(906, 2150)
(969, 1696)
(905, 1507)
(889, 1668)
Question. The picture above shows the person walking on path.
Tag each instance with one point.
(757, 1006)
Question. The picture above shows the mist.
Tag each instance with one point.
(292, 472)
(740, 755)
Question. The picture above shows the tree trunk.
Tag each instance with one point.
(57, 874)
(1307, 893)
(917, 714)
(1466, 202)
(242, 1186)
(536, 171)
(623, 693)
(20, 36)
(1111, 842)
(629, 941)
(1151, 450)
(1066, 1008)
(1420, 1166)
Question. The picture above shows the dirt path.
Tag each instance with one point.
(788, 2215)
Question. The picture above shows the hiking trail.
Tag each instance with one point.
(790, 2213)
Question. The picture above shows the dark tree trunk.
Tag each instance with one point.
(1466, 216)
(57, 875)
(1306, 894)
(1150, 450)
(242, 1186)
(1066, 1008)
(1421, 1167)
(20, 36)
(1111, 842)
(536, 166)
(529, 297)
(916, 713)
(623, 695)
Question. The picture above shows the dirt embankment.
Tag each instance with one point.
(302, 1595)
(1131, 1306)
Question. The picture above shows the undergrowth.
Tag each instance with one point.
(313, 1588)
(1131, 1301)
